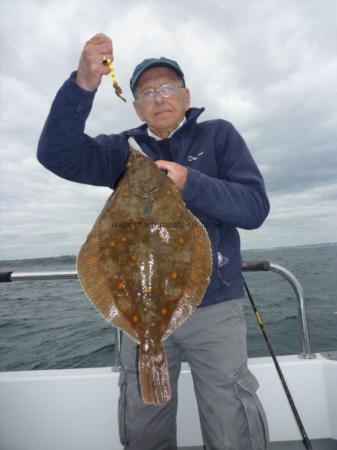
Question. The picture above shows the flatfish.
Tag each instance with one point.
(146, 265)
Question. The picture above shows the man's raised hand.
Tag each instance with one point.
(90, 68)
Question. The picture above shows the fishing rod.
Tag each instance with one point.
(305, 439)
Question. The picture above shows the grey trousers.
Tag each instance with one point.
(213, 340)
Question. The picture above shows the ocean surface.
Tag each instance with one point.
(52, 325)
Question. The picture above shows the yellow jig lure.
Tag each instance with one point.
(118, 89)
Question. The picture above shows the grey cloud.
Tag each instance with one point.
(269, 67)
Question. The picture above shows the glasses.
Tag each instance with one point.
(166, 90)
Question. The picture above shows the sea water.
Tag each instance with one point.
(52, 325)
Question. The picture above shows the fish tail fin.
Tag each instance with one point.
(154, 376)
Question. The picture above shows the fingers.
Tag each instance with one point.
(99, 38)
(91, 69)
(175, 171)
(95, 50)
(99, 45)
(163, 164)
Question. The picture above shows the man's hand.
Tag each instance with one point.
(90, 68)
(175, 171)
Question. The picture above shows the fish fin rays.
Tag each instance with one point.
(198, 279)
(116, 251)
(95, 286)
(154, 377)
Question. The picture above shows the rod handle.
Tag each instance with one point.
(5, 277)
(255, 266)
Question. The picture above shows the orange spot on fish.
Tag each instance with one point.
(194, 276)
(148, 290)
(122, 296)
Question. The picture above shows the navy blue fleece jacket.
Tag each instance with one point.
(224, 187)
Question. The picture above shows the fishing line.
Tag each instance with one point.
(305, 440)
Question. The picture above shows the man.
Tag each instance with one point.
(221, 185)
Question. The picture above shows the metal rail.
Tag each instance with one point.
(266, 266)
(247, 266)
(301, 309)
(32, 276)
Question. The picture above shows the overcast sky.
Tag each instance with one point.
(268, 67)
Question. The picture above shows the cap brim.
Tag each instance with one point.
(156, 64)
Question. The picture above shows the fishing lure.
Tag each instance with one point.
(118, 89)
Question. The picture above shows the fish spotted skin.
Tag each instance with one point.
(146, 266)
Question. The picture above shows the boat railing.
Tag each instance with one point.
(266, 266)
(247, 266)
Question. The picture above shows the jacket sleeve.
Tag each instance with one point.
(238, 196)
(67, 151)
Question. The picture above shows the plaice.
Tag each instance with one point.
(146, 265)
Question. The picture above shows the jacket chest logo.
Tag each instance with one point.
(193, 158)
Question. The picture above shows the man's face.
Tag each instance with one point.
(162, 114)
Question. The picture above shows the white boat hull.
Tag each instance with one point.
(77, 408)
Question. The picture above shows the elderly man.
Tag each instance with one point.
(221, 185)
